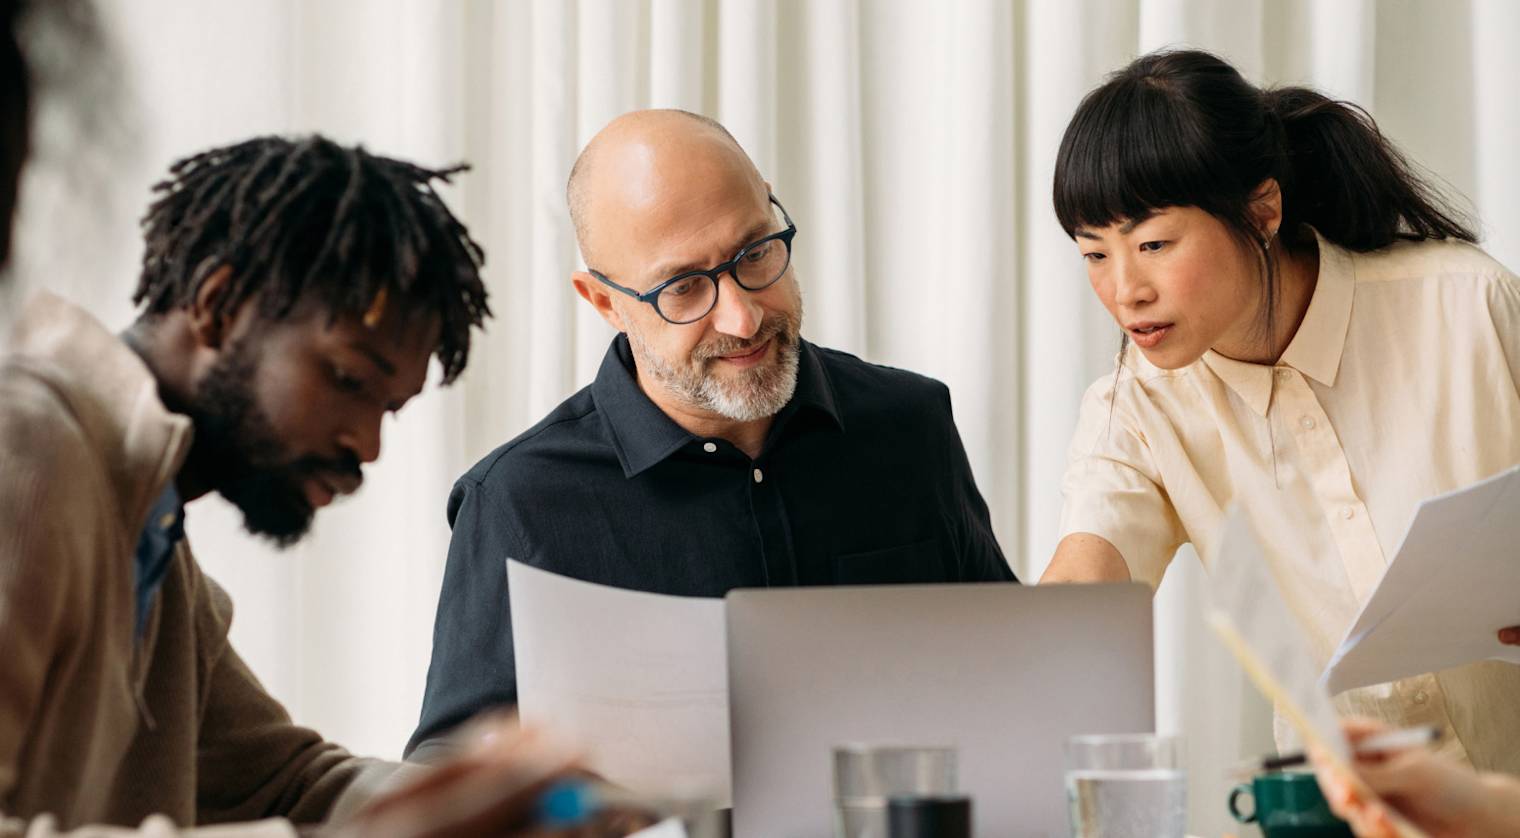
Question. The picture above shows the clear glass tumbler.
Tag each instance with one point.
(866, 777)
(1127, 786)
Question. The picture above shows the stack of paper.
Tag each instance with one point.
(1453, 584)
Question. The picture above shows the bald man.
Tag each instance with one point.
(716, 448)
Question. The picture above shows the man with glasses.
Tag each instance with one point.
(716, 448)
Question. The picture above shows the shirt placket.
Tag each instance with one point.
(771, 524)
(1325, 465)
(767, 515)
(1421, 699)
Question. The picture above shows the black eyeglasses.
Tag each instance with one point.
(688, 297)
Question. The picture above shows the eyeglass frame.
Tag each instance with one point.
(714, 274)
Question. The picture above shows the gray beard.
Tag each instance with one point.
(754, 394)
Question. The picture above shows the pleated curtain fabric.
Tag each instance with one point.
(914, 144)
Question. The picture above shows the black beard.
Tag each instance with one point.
(238, 450)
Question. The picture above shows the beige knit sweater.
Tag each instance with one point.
(156, 735)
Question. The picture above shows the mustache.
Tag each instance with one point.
(729, 345)
(345, 467)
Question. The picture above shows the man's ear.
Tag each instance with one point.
(207, 322)
(1267, 207)
(599, 296)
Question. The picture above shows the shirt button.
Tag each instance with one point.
(1282, 373)
(1421, 697)
(709, 447)
(759, 475)
(1348, 512)
(1306, 422)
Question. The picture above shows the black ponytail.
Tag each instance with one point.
(1347, 180)
(1182, 128)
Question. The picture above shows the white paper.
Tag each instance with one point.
(1247, 607)
(1454, 582)
(638, 680)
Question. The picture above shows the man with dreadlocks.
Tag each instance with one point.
(292, 294)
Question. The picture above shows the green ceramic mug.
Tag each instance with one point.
(1288, 804)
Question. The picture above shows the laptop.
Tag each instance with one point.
(1003, 673)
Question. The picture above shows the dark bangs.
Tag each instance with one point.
(1140, 143)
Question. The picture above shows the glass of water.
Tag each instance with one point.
(867, 777)
(1126, 786)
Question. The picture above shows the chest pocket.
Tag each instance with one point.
(920, 562)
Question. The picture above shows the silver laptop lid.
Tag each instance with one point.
(1005, 673)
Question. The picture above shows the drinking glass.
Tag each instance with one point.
(866, 777)
(1126, 786)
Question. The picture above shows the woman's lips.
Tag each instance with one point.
(1149, 336)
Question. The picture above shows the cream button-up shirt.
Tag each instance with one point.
(1400, 384)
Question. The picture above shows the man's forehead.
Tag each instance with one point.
(645, 161)
(645, 172)
(396, 331)
(401, 328)
(698, 236)
(661, 192)
(647, 182)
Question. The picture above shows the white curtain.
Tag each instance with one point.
(913, 142)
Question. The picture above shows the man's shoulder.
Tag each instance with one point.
(56, 511)
(862, 385)
(39, 428)
(567, 430)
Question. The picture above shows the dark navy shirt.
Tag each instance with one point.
(164, 529)
(862, 479)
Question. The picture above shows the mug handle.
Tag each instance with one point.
(1243, 788)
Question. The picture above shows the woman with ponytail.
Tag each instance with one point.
(1319, 342)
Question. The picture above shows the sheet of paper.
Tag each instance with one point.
(639, 680)
(1454, 582)
(1248, 611)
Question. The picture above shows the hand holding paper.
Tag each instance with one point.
(1435, 792)
(1453, 583)
(639, 680)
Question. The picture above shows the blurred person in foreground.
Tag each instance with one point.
(1436, 793)
(292, 294)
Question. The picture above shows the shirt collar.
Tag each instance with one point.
(1251, 382)
(163, 530)
(643, 435)
(1317, 346)
(1320, 341)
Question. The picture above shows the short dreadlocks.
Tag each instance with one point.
(292, 217)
